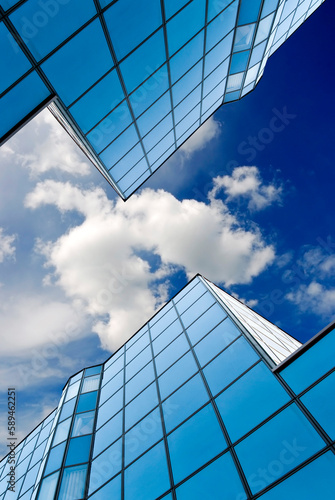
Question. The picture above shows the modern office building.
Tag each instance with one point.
(130, 80)
(207, 401)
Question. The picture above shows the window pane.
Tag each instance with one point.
(67, 409)
(79, 450)
(205, 323)
(277, 447)
(142, 436)
(195, 442)
(320, 402)
(249, 11)
(62, 431)
(189, 398)
(148, 477)
(137, 347)
(171, 353)
(112, 490)
(229, 365)
(141, 405)
(225, 333)
(91, 383)
(55, 458)
(239, 61)
(177, 374)
(221, 26)
(11, 58)
(138, 362)
(244, 36)
(72, 390)
(111, 388)
(48, 486)
(83, 424)
(189, 55)
(185, 25)
(73, 483)
(139, 382)
(94, 370)
(105, 466)
(250, 400)
(108, 433)
(169, 334)
(217, 481)
(87, 401)
(156, 327)
(129, 23)
(112, 406)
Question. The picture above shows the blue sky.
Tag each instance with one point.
(247, 202)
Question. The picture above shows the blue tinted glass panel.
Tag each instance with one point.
(67, 409)
(72, 390)
(199, 307)
(217, 481)
(195, 442)
(79, 450)
(158, 133)
(138, 362)
(113, 153)
(111, 490)
(185, 25)
(257, 54)
(215, 7)
(108, 433)
(84, 67)
(91, 383)
(129, 23)
(168, 335)
(110, 408)
(221, 26)
(225, 333)
(157, 326)
(174, 351)
(250, 400)
(216, 78)
(229, 364)
(112, 367)
(269, 6)
(186, 84)
(6, 4)
(263, 30)
(154, 114)
(148, 477)
(181, 62)
(138, 346)
(220, 52)
(98, 102)
(177, 374)
(187, 104)
(113, 386)
(62, 431)
(144, 61)
(87, 401)
(239, 61)
(83, 424)
(277, 447)
(141, 437)
(316, 480)
(105, 466)
(93, 371)
(145, 95)
(244, 36)
(172, 6)
(205, 323)
(73, 483)
(44, 25)
(184, 125)
(155, 153)
(48, 486)
(132, 158)
(232, 96)
(21, 100)
(249, 11)
(139, 382)
(141, 405)
(55, 458)
(189, 398)
(129, 179)
(11, 58)
(299, 374)
(320, 402)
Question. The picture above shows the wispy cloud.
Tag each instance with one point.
(246, 182)
(7, 249)
(101, 262)
(210, 130)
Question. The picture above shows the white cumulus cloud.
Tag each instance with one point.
(246, 182)
(209, 130)
(7, 249)
(119, 259)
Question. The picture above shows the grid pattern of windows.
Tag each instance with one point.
(187, 408)
(139, 79)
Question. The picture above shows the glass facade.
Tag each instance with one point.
(193, 406)
(131, 81)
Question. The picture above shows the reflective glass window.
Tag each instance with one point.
(239, 61)
(148, 477)
(251, 399)
(205, 323)
(251, 75)
(112, 368)
(122, 167)
(147, 93)
(72, 390)
(110, 408)
(83, 424)
(154, 114)
(186, 106)
(184, 125)
(299, 374)
(129, 179)
(219, 53)
(67, 409)
(84, 67)
(217, 481)
(257, 54)
(320, 402)
(198, 308)
(168, 335)
(73, 483)
(187, 83)
(129, 23)
(277, 447)
(55, 458)
(189, 398)
(216, 78)
(225, 333)
(87, 401)
(110, 490)
(232, 96)
(139, 65)
(44, 25)
(157, 327)
(137, 347)
(141, 405)
(263, 30)
(111, 388)
(29, 481)
(158, 132)
(183, 60)
(79, 450)
(138, 362)
(107, 434)
(215, 7)
(185, 25)
(94, 370)
(177, 374)
(187, 299)
(244, 36)
(269, 6)
(221, 26)
(120, 147)
(229, 364)
(75, 378)
(98, 102)
(234, 82)
(21, 100)
(249, 11)
(48, 486)
(171, 353)
(155, 153)
(315, 480)
(91, 383)
(141, 437)
(12, 58)
(62, 431)
(172, 6)
(195, 442)
(139, 382)
(105, 466)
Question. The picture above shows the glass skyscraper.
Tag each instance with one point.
(208, 400)
(132, 80)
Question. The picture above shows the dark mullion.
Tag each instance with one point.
(217, 413)
(167, 452)
(203, 59)
(123, 421)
